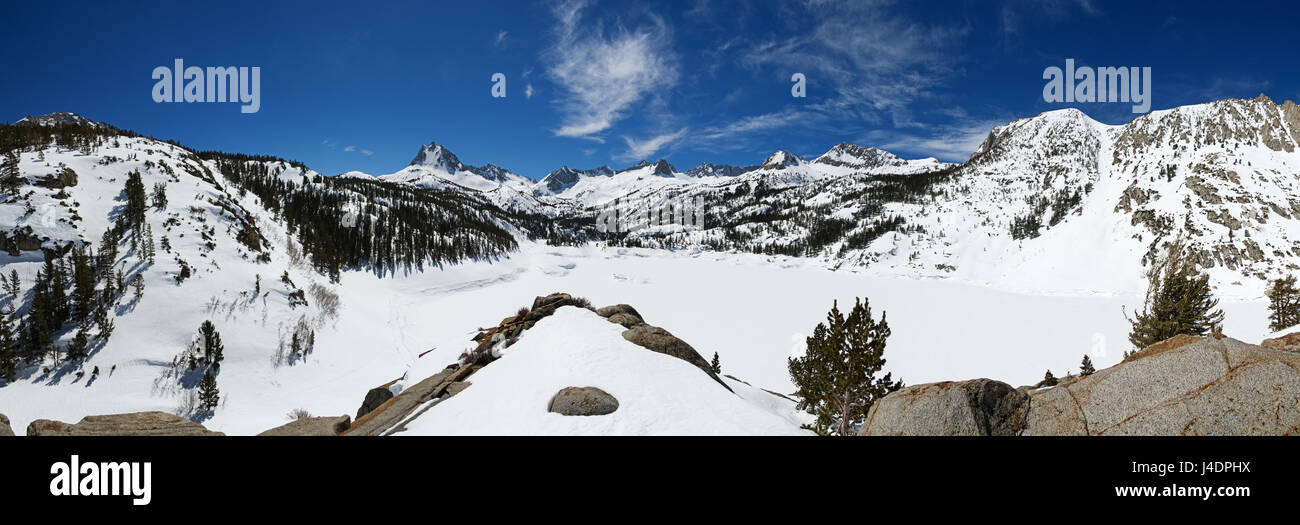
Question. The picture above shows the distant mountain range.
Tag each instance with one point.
(1054, 201)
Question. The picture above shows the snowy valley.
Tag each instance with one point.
(323, 288)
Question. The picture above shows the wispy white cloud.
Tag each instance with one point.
(350, 149)
(863, 62)
(367, 152)
(1015, 11)
(754, 123)
(638, 149)
(606, 72)
(528, 91)
(949, 143)
(500, 41)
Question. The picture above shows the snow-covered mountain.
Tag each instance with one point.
(434, 166)
(55, 119)
(272, 252)
(875, 160)
(1055, 202)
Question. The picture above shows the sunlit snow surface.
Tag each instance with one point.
(747, 308)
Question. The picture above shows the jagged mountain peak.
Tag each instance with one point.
(853, 155)
(709, 169)
(565, 177)
(781, 159)
(661, 167)
(434, 155)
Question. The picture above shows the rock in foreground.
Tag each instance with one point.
(979, 407)
(5, 429)
(583, 401)
(135, 424)
(312, 426)
(1183, 386)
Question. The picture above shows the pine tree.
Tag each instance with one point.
(1048, 380)
(14, 287)
(83, 285)
(211, 345)
(209, 396)
(137, 285)
(10, 176)
(1283, 304)
(159, 196)
(716, 365)
(836, 377)
(1179, 301)
(8, 349)
(135, 201)
(1086, 368)
(80, 343)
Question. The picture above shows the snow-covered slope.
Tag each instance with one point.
(657, 394)
(595, 187)
(1058, 203)
(435, 166)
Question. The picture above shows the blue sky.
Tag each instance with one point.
(360, 86)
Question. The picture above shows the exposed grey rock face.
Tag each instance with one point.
(979, 407)
(312, 426)
(627, 320)
(659, 340)
(375, 397)
(134, 424)
(583, 401)
(5, 429)
(617, 309)
(1182, 386)
(1289, 342)
(387, 418)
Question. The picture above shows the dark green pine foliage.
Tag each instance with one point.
(136, 201)
(209, 395)
(8, 349)
(836, 377)
(159, 196)
(211, 346)
(1086, 368)
(716, 365)
(353, 223)
(1179, 301)
(83, 284)
(1283, 304)
(1048, 380)
(80, 343)
(10, 177)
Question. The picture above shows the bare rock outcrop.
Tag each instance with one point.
(979, 407)
(5, 429)
(1288, 342)
(134, 424)
(312, 426)
(1186, 385)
